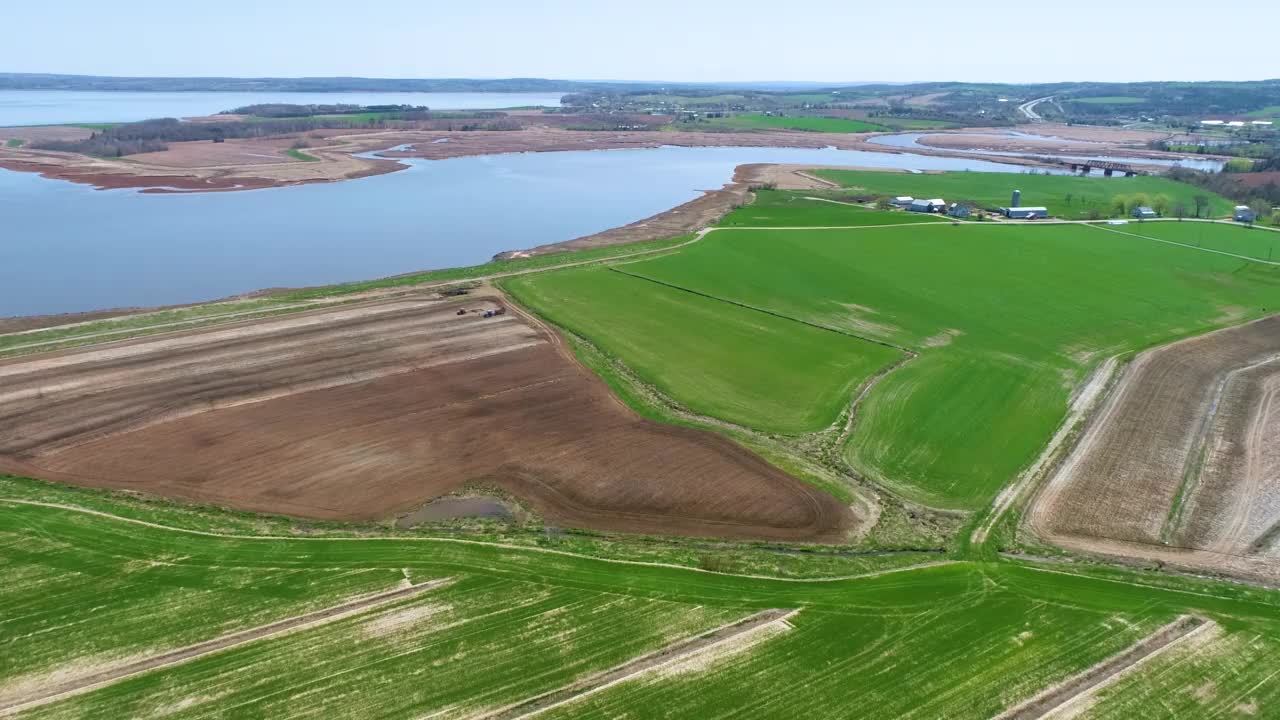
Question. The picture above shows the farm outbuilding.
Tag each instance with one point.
(1026, 213)
(902, 201)
(936, 205)
(960, 210)
(1145, 213)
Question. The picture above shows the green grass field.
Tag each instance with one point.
(1006, 320)
(786, 377)
(1066, 196)
(963, 640)
(1258, 243)
(15, 142)
(1266, 113)
(1231, 674)
(753, 121)
(297, 154)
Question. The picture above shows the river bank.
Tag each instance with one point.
(340, 155)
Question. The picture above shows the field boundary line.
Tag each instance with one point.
(481, 543)
(630, 669)
(1088, 398)
(764, 311)
(110, 676)
(1031, 565)
(1048, 701)
(1191, 247)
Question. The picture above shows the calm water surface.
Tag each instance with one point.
(68, 248)
(51, 107)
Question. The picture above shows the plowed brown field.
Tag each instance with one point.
(1181, 463)
(366, 411)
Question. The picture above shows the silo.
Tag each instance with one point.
(1017, 198)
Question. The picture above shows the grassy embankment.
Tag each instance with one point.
(786, 377)
(297, 300)
(297, 154)
(517, 622)
(1235, 239)
(1065, 196)
(1006, 321)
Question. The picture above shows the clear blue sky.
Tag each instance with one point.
(690, 40)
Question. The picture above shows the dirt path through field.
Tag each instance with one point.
(102, 678)
(706, 643)
(1050, 701)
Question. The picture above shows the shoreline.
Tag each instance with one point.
(683, 219)
(343, 155)
(394, 145)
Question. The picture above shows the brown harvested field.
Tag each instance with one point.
(233, 152)
(367, 411)
(45, 133)
(1180, 464)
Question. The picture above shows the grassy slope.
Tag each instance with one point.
(297, 154)
(206, 314)
(15, 142)
(1029, 312)
(809, 123)
(1235, 239)
(786, 377)
(995, 189)
(956, 641)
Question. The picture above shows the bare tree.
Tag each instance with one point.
(1202, 202)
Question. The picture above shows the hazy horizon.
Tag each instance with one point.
(824, 41)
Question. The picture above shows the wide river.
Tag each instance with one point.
(61, 107)
(68, 248)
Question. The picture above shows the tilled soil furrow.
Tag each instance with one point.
(392, 409)
(1177, 459)
(229, 350)
(50, 431)
(265, 359)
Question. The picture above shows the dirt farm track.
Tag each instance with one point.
(1181, 463)
(366, 411)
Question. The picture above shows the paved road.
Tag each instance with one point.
(1029, 108)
